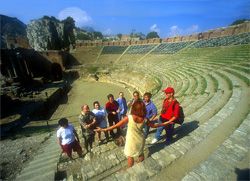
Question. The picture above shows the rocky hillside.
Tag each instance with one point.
(13, 31)
(48, 33)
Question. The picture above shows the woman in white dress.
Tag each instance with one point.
(135, 139)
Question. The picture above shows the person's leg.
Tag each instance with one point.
(141, 158)
(85, 142)
(159, 130)
(146, 130)
(106, 135)
(77, 148)
(169, 133)
(130, 161)
(68, 150)
(91, 140)
(118, 132)
(110, 120)
(99, 136)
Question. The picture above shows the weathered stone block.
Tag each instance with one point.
(151, 166)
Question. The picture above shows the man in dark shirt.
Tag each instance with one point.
(87, 121)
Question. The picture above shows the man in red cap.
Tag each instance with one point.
(169, 113)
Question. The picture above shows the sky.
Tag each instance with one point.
(166, 17)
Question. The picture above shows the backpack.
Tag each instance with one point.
(181, 118)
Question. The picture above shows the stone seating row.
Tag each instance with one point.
(139, 49)
(114, 49)
(227, 156)
(243, 38)
(170, 48)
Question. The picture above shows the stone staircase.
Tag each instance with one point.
(44, 164)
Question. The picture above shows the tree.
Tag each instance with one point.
(239, 21)
(152, 34)
(97, 35)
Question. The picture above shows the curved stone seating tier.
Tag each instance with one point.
(198, 83)
(228, 156)
(216, 102)
(170, 48)
(241, 75)
(139, 49)
(114, 49)
(243, 38)
(211, 82)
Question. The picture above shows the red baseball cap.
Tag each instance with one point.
(168, 90)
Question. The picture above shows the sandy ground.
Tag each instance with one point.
(17, 150)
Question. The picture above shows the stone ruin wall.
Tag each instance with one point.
(220, 32)
(56, 56)
(31, 62)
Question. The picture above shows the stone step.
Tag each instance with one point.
(227, 156)
(44, 164)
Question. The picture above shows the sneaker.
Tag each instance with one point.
(154, 141)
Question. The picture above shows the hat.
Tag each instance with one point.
(169, 90)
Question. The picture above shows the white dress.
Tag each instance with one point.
(134, 139)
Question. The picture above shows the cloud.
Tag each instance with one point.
(81, 17)
(176, 31)
(155, 28)
(107, 31)
(192, 29)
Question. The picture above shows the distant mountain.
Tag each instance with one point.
(11, 26)
(88, 29)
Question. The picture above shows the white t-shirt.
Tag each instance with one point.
(66, 134)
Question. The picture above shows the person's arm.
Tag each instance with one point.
(154, 113)
(83, 124)
(176, 114)
(107, 107)
(76, 135)
(168, 122)
(92, 123)
(119, 124)
(59, 141)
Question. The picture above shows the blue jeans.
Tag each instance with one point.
(146, 128)
(169, 130)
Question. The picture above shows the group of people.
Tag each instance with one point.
(142, 116)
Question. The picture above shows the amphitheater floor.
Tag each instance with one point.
(84, 92)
